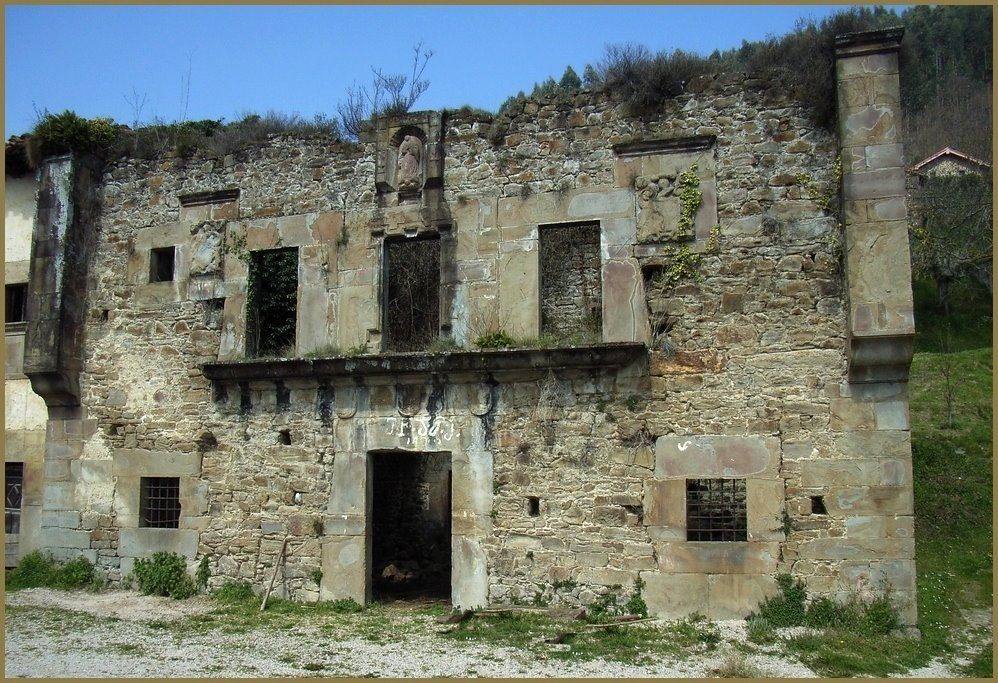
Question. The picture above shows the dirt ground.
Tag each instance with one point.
(124, 634)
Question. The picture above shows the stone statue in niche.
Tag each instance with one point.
(408, 172)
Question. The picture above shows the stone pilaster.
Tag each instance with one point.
(878, 265)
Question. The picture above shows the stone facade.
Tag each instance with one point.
(744, 336)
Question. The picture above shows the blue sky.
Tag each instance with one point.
(302, 58)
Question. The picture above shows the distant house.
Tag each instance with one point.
(948, 161)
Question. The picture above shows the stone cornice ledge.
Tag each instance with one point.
(868, 42)
(613, 354)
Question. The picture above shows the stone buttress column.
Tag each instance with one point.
(867, 475)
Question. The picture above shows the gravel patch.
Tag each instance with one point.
(125, 605)
(58, 634)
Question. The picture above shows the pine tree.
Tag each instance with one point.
(570, 80)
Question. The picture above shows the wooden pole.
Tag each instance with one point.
(273, 577)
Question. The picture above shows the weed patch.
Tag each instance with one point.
(164, 574)
(36, 570)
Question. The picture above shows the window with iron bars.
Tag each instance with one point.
(13, 496)
(159, 502)
(715, 510)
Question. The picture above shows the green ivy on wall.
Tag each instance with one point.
(690, 196)
(272, 302)
(681, 264)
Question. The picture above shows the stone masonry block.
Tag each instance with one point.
(735, 596)
(718, 558)
(143, 542)
(345, 569)
(717, 456)
(674, 596)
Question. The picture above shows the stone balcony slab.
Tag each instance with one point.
(455, 363)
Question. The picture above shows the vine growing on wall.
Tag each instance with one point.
(690, 197)
(682, 264)
(235, 245)
(272, 302)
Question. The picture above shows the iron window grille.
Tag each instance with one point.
(159, 502)
(715, 510)
(13, 496)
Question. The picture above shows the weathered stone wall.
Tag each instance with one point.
(746, 376)
(24, 410)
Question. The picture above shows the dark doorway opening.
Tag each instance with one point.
(411, 525)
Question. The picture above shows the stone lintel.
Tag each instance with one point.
(868, 42)
(695, 143)
(596, 356)
(881, 358)
(209, 197)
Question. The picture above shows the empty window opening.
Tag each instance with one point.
(533, 506)
(159, 502)
(715, 510)
(272, 303)
(161, 264)
(16, 301)
(570, 282)
(13, 489)
(411, 525)
(213, 309)
(818, 505)
(411, 292)
(284, 437)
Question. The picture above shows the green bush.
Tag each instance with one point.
(499, 339)
(164, 574)
(788, 608)
(791, 608)
(636, 603)
(203, 574)
(36, 570)
(68, 132)
(235, 591)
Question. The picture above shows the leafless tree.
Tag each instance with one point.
(185, 88)
(952, 233)
(136, 103)
(389, 94)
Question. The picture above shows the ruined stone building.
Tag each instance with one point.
(948, 162)
(540, 358)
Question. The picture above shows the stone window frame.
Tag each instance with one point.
(313, 235)
(151, 294)
(128, 467)
(519, 220)
(755, 458)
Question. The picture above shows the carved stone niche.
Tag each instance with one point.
(410, 160)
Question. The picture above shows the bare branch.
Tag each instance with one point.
(391, 94)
